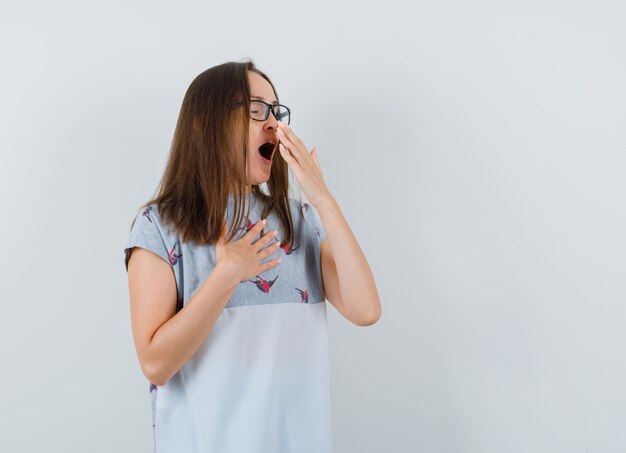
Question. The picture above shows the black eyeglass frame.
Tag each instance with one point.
(270, 107)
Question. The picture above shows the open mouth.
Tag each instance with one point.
(267, 150)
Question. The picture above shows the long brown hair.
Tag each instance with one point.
(209, 157)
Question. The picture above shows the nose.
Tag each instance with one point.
(271, 122)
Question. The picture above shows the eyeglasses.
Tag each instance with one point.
(260, 111)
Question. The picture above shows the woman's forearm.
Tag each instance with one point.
(357, 287)
(176, 341)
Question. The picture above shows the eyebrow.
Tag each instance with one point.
(262, 98)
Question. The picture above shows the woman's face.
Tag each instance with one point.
(261, 132)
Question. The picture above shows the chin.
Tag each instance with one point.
(258, 180)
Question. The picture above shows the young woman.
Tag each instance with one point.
(228, 282)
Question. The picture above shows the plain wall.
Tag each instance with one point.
(477, 150)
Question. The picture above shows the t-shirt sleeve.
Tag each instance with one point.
(147, 233)
(313, 220)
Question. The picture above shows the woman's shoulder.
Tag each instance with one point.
(149, 218)
(150, 232)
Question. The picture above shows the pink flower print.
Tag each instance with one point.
(304, 296)
(287, 248)
(262, 284)
(146, 213)
(174, 257)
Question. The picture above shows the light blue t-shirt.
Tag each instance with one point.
(260, 381)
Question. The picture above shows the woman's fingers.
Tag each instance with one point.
(295, 148)
(256, 229)
(270, 250)
(315, 158)
(262, 242)
(269, 265)
(285, 131)
(290, 145)
(287, 155)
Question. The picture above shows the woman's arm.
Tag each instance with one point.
(165, 340)
(346, 276)
(348, 281)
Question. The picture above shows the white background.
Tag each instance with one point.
(476, 149)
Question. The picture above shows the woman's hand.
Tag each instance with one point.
(242, 258)
(305, 165)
